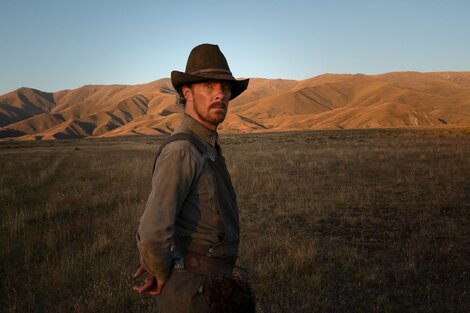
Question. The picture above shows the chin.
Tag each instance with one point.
(219, 118)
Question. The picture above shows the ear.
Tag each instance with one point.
(187, 93)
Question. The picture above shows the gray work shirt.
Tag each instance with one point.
(183, 201)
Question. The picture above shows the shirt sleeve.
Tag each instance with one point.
(171, 183)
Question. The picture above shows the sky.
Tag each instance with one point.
(53, 45)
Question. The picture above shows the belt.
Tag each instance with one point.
(209, 265)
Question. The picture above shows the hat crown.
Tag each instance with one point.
(207, 58)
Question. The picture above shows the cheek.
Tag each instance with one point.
(228, 93)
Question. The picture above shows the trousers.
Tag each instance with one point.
(184, 292)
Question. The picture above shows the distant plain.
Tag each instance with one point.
(372, 220)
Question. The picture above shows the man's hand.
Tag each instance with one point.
(151, 285)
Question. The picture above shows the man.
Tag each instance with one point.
(188, 235)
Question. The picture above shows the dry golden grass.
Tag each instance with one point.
(332, 221)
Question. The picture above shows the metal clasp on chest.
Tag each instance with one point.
(209, 156)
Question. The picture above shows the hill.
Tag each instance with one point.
(329, 101)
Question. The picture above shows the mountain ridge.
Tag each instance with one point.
(327, 101)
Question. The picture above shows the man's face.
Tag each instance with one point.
(207, 102)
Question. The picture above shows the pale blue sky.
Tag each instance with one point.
(64, 44)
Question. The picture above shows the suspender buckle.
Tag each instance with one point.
(209, 156)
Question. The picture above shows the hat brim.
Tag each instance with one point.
(178, 79)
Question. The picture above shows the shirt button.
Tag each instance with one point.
(200, 290)
(211, 250)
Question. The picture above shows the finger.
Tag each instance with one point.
(158, 289)
(147, 285)
(142, 288)
(139, 272)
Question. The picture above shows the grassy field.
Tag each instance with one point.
(332, 221)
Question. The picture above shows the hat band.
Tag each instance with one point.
(211, 70)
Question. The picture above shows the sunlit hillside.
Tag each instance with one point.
(329, 101)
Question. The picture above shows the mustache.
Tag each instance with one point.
(218, 104)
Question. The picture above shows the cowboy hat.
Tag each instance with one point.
(207, 62)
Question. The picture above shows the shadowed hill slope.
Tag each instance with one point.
(24, 103)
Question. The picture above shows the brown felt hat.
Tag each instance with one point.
(207, 62)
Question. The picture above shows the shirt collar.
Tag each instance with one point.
(191, 125)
